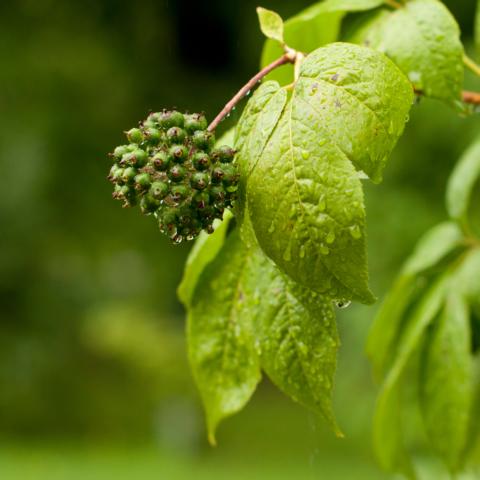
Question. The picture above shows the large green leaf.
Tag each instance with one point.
(245, 314)
(433, 249)
(204, 250)
(298, 342)
(221, 342)
(423, 39)
(461, 184)
(304, 193)
(446, 381)
(312, 28)
(388, 432)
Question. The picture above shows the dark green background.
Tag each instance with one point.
(93, 374)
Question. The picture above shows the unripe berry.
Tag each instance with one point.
(143, 181)
(158, 190)
(223, 154)
(178, 153)
(169, 217)
(129, 175)
(203, 140)
(217, 193)
(171, 119)
(175, 135)
(135, 135)
(148, 204)
(201, 200)
(179, 192)
(161, 161)
(120, 151)
(137, 158)
(118, 175)
(195, 121)
(199, 180)
(229, 175)
(176, 173)
(217, 175)
(153, 136)
(201, 161)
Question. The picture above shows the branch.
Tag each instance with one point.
(288, 57)
(471, 65)
(473, 98)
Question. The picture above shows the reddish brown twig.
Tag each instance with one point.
(288, 57)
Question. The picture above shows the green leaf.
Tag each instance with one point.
(467, 278)
(244, 307)
(461, 184)
(299, 342)
(388, 434)
(204, 250)
(304, 192)
(271, 24)
(312, 28)
(388, 441)
(423, 39)
(221, 344)
(446, 381)
(433, 248)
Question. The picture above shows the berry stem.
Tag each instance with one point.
(288, 57)
(471, 65)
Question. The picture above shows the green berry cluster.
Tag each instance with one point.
(172, 169)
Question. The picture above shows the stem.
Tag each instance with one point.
(288, 57)
(472, 98)
(471, 65)
(393, 4)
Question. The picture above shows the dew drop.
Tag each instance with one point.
(342, 303)
(330, 238)
(271, 229)
(322, 205)
(324, 250)
(302, 251)
(287, 255)
(305, 154)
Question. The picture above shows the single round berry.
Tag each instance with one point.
(112, 172)
(171, 119)
(177, 173)
(201, 161)
(137, 158)
(179, 192)
(148, 204)
(200, 200)
(143, 181)
(120, 151)
(168, 218)
(135, 135)
(199, 180)
(118, 175)
(195, 121)
(161, 161)
(217, 175)
(223, 154)
(159, 190)
(178, 153)
(153, 136)
(203, 140)
(176, 135)
(229, 175)
(217, 192)
(128, 175)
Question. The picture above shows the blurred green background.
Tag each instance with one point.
(94, 381)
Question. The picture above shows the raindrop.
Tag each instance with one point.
(355, 232)
(324, 250)
(305, 154)
(330, 238)
(342, 303)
